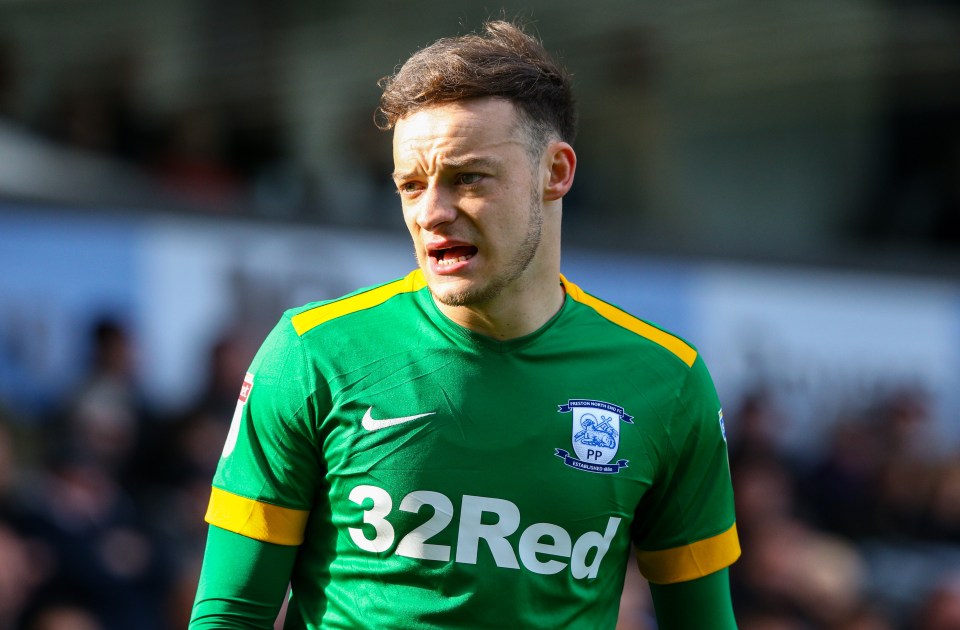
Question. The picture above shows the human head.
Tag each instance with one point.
(481, 166)
(502, 62)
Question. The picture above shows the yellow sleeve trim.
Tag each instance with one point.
(674, 344)
(692, 561)
(253, 519)
(308, 320)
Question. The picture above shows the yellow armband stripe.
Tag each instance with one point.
(308, 320)
(253, 519)
(692, 561)
(625, 320)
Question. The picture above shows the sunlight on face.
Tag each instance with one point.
(470, 197)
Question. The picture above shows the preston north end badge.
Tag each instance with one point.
(595, 429)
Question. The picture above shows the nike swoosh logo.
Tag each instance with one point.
(371, 424)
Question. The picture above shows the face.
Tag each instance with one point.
(472, 200)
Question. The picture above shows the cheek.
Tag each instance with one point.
(409, 217)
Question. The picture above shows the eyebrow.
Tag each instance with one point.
(455, 164)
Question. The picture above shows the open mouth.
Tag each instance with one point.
(452, 255)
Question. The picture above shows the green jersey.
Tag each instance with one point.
(434, 477)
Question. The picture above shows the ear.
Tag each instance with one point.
(560, 162)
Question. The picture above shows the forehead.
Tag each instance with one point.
(458, 128)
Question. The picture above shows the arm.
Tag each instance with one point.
(262, 492)
(700, 604)
(685, 531)
(242, 582)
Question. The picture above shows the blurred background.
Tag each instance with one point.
(778, 182)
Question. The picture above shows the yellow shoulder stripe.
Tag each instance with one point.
(625, 320)
(253, 519)
(308, 320)
(692, 561)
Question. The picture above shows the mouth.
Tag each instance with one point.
(448, 257)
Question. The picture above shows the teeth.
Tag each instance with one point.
(452, 260)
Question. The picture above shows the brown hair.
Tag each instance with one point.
(503, 62)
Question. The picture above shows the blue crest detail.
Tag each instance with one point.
(595, 435)
(599, 404)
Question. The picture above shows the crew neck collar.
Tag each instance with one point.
(480, 340)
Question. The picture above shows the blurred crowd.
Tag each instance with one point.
(102, 500)
(863, 536)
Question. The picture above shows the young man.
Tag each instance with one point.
(475, 445)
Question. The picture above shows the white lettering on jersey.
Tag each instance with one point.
(592, 540)
(414, 544)
(374, 515)
(542, 549)
(531, 545)
(472, 530)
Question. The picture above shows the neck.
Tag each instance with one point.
(510, 316)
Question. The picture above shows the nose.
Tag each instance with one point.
(437, 207)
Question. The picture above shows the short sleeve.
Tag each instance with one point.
(685, 526)
(267, 477)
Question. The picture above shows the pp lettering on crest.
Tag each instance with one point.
(595, 435)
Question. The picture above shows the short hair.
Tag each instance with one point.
(503, 62)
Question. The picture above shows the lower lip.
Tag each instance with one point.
(449, 268)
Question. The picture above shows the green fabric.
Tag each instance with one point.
(508, 497)
(242, 582)
(701, 604)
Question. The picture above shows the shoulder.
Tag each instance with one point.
(633, 330)
(311, 317)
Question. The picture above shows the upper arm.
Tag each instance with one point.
(264, 489)
(269, 475)
(685, 527)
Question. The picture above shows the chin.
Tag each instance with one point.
(464, 293)
(452, 296)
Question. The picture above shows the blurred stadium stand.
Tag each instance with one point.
(777, 181)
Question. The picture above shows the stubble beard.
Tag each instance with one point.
(487, 292)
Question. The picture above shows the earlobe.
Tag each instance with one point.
(561, 164)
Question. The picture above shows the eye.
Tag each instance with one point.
(468, 179)
(409, 188)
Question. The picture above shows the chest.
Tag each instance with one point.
(538, 432)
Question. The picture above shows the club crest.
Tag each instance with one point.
(595, 433)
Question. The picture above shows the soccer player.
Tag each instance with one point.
(476, 444)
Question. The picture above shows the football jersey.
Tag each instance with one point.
(434, 477)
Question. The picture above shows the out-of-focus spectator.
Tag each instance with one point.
(21, 574)
(941, 609)
(104, 419)
(944, 508)
(185, 455)
(102, 551)
(63, 616)
(841, 489)
(800, 574)
(758, 421)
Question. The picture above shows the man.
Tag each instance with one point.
(413, 455)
